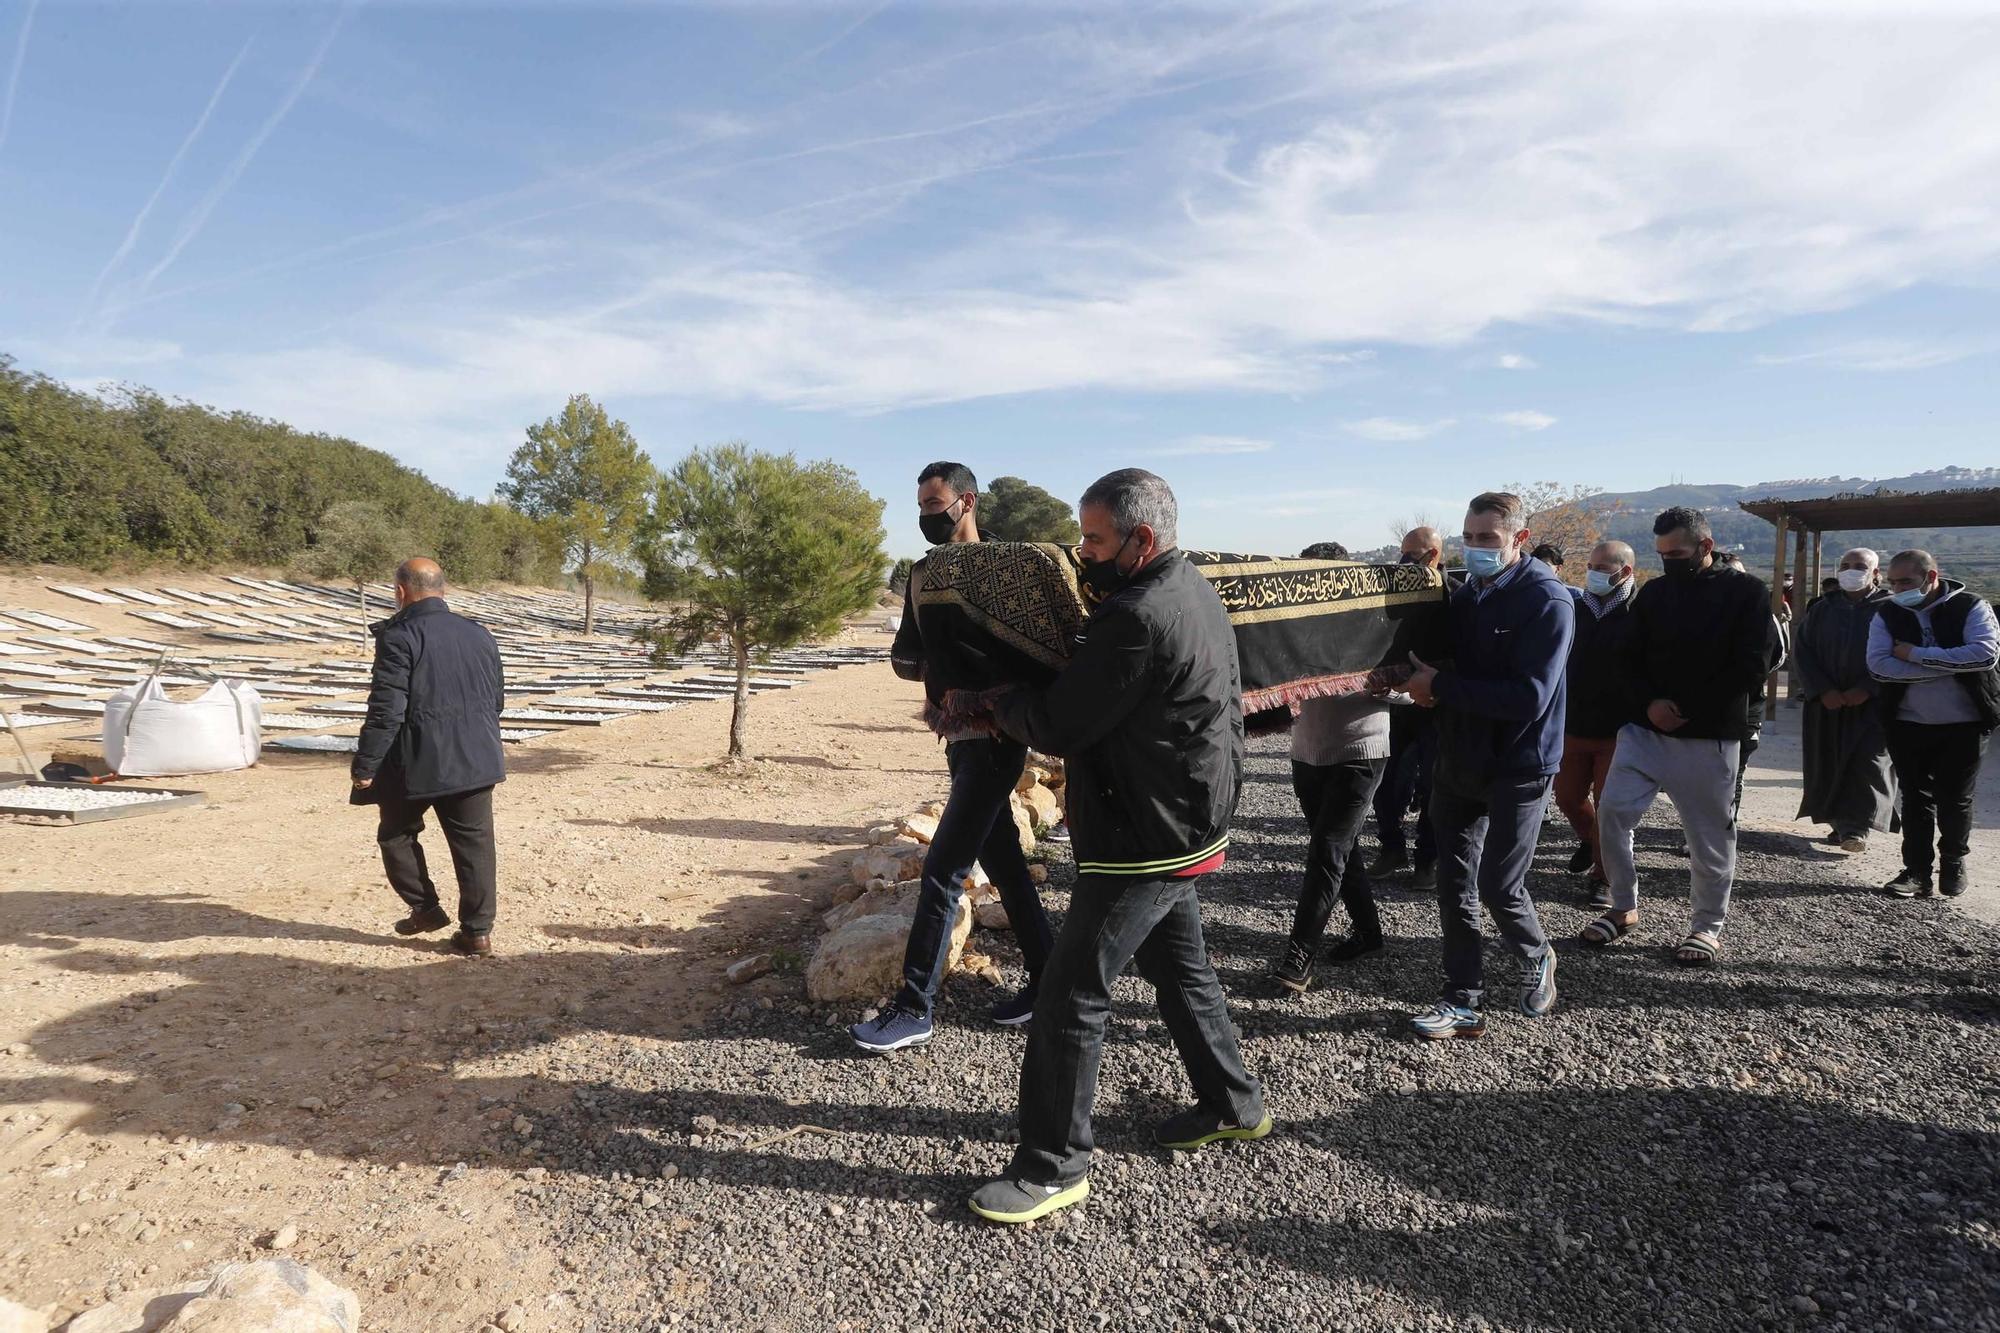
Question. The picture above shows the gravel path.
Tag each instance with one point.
(1802, 1138)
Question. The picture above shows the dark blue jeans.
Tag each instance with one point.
(1113, 920)
(1485, 845)
(1412, 754)
(976, 826)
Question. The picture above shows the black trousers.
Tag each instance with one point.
(1335, 799)
(976, 826)
(1937, 769)
(1114, 920)
(1412, 755)
(467, 821)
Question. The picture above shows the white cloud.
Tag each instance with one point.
(1213, 444)
(1525, 420)
(1513, 361)
(1390, 429)
(1878, 354)
(1400, 182)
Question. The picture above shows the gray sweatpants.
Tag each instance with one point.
(1700, 776)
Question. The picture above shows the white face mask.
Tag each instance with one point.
(1854, 580)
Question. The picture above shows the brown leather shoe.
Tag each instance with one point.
(423, 922)
(471, 945)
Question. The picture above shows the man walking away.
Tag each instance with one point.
(1500, 726)
(1340, 746)
(977, 824)
(1850, 784)
(1406, 782)
(1935, 653)
(1148, 716)
(1597, 703)
(1701, 639)
(431, 742)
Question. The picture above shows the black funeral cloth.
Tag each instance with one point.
(992, 614)
(1306, 629)
(995, 613)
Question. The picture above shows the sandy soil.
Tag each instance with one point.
(208, 1031)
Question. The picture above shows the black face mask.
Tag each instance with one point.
(1102, 576)
(1679, 568)
(937, 528)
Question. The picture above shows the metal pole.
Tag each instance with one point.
(1777, 604)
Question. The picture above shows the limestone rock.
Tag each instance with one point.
(1037, 872)
(882, 833)
(979, 965)
(134, 1312)
(748, 969)
(20, 1319)
(863, 959)
(1042, 806)
(935, 809)
(991, 915)
(274, 1296)
(894, 861)
(1033, 775)
(921, 827)
(884, 899)
(1024, 822)
(848, 892)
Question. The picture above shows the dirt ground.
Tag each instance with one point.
(208, 1031)
(209, 1037)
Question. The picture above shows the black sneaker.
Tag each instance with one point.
(1387, 864)
(1194, 1128)
(1600, 893)
(1294, 968)
(1015, 1011)
(1353, 946)
(1909, 884)
(1952, 879)
(1426, 876)
(1058, 832)
(1580, 860)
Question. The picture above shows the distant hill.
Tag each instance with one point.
(1972, 554)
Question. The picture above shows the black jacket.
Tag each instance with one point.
(1598, 702)
(433, 726)
(1149, 719)
(1704, 642)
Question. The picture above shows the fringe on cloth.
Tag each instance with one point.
(1296, 692)
(963, 711)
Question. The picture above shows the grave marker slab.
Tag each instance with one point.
(86, 594)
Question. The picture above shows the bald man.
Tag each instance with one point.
(1406, 781)
(431, 742)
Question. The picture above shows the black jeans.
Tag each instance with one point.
(1335, 800)
(1937, 770)
(467, 821)
(1412, 755)
(1484, 849)
(1114, 920)
(976, 826)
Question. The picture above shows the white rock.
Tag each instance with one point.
(1042, 805)
(748, 969)
(134, 1312)
(864, 957)
(20, 1319)
(921, 827)
(274, 1296)
(283, 1238)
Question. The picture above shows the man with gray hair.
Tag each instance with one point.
(1148, 717)
(1934, 652)
(431, 744)
(1849, 783)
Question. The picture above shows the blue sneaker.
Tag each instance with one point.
(1442, 1021)
(894, 1029)
(1538, 986)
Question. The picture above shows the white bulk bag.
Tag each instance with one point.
(148, 735)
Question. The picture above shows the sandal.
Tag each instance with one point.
(1608, 928)
(1698, 950)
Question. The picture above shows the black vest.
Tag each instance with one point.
(1948, 619)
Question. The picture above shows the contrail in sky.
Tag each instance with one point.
(199, 217)
(166, 178)
(14, 75)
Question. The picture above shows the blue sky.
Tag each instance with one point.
(1324, 267)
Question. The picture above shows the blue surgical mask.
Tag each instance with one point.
(1597, 583)
(1910, 597)
(1485, 562)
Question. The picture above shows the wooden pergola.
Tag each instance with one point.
(1851, 513)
